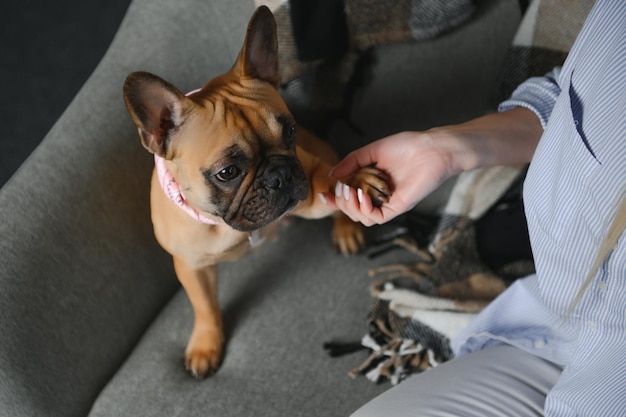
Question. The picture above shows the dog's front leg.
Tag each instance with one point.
(204, 350)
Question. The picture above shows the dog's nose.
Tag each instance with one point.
(277, 177)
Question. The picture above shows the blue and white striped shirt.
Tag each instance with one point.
(575, 182)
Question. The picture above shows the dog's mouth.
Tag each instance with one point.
(278, 189)
(291, 204)
(254, 216)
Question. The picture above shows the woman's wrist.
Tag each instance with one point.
(455, 146)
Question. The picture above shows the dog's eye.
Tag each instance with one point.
(229, 173)
(290, 135)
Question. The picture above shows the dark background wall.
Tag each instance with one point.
(48, 49)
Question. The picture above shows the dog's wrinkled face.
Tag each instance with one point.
(237, 158)
(231, 145)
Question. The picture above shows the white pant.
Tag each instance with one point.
(501, 380)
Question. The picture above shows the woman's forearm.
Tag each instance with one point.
(505, 138)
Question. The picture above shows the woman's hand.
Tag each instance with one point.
(419, 162)
(415, 165)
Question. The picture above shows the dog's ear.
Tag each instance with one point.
(259, 56)
(156, 107)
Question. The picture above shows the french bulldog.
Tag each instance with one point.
(230, 162)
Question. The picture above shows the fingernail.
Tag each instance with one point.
(321, 197)
(346, 192)
(338, 189)
(359, 195)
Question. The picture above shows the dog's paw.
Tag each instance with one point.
(372, 181)
(204, 354)
(348, 237)
(201, 364)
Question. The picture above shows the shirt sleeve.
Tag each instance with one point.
(537, 94)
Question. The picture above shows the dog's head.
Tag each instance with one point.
(231, 146)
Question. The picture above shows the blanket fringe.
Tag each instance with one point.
(393, 361)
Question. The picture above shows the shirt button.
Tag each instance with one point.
(602, 286)
(539, 343)
(591, 324)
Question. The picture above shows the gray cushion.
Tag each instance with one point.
(280, 305)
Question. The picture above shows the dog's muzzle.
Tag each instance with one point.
(277, 190)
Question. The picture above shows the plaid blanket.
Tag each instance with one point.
(325, 45)
(462, 263)
(477, 247)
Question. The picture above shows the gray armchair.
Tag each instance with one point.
(92, 318)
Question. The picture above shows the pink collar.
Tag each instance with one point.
(174, 193)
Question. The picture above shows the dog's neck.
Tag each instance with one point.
(173, 192)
